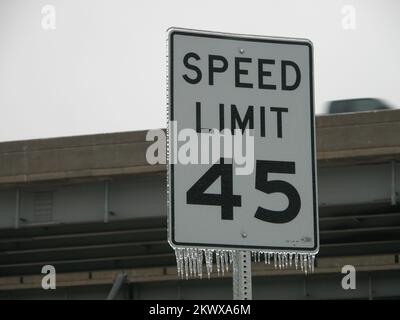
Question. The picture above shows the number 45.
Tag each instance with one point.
(227, 200)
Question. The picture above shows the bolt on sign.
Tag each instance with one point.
(254, 94)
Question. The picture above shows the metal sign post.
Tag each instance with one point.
(242, 287)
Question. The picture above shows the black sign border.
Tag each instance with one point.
(172, 32)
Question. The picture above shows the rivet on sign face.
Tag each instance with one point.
(244, 235)
(241, 50)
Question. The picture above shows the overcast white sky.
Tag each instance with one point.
(103, 68)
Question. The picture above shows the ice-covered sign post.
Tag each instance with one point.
(241, 154)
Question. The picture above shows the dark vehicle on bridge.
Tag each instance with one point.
(356, 105)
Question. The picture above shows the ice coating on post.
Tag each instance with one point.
(193, 262)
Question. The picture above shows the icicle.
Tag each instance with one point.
(230, 257)
(182, 260)
(189, 253)
(283, 260)
(178, 255)
(234, 265)
(178, 266)
(194, 257)
(190, 261)
(312, 263)
(301, 262)
(194, 262)
(280, 260)
(200, 263)
(305, 264)
(222, 257)
(195, 267)
(312, 257)
(226, 258)
(186, 261)
(208, 255)
(218, 261)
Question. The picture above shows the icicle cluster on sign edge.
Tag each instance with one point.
(190, 261)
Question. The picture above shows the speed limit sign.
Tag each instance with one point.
(254, 94)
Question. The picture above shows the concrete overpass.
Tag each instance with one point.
(92, 207)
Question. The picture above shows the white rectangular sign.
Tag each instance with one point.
(258, 91)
